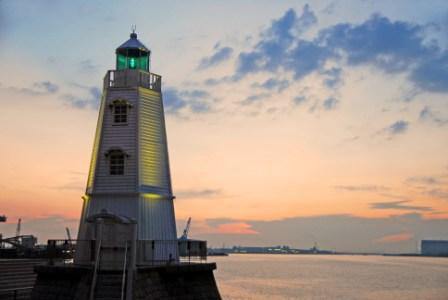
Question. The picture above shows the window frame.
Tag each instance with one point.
(116, 159)
(120, 110)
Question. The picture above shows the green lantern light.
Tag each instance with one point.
(133, 55)
(132, 63)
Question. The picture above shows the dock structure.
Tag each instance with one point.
(127, 246)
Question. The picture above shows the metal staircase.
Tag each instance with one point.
(109, 284)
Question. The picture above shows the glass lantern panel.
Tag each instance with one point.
(143, 63)
(121, 62)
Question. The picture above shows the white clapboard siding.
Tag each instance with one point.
(144, 192)
(154, 162)
(123, 205)
(96, 145)
(123, 137)
(156, 219)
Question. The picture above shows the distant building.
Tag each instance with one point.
(434, 247)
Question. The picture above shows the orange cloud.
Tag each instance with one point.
(395, 238)
(236, 228)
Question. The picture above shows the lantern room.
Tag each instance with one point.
(133, 55)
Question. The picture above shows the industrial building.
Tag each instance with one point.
(434, 247)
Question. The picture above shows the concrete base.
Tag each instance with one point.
(184, 281)
(194, 281)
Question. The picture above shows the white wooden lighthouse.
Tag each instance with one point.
(129, 180)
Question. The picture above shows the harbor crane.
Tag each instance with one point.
(69, 236)
(19, 226)
(186, 230)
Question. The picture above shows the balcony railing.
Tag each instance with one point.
(153, 252)
(132, 78)
(149, 252)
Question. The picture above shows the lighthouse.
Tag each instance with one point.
(129, 178)
(127, 247)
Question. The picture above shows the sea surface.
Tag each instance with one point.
(264, 276)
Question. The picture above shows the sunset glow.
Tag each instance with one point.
(283, 127)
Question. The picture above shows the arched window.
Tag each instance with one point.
(116, 159)
(120, 109)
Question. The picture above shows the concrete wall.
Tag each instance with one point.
(195, 281)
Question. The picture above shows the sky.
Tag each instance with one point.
(288, 122)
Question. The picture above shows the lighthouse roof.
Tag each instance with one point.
(133, 43)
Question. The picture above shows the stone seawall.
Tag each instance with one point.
(195, 281)
(62, 283)
(189, 281)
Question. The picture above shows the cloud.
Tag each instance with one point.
(91, 101)
(274, 84)
(426, 114)
(216, 81)
(36, 89)
(198, 194)
(432, 74)
(399, 205)
(175, 101)
(395, 238)
(396, 128)
(438, 193)
(254, 98)
(220, 55)
(332, 77)
(330, 8)
(426, 180)
(47, 86)
(298, 100)
(354, 233)
(330, 103)
(363, 188)
(172, 101)
(307, 20)
(276, 48)
(88, 66)
(390, 46)
(235, 228)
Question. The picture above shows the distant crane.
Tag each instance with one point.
(186, 230)
(69, 236)
(19, 227)
(3, 218)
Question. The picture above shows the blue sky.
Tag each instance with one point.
(293, 112)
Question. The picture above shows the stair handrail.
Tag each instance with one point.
(123, 279)
(97, 259)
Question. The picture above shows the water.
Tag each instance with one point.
(258, 276)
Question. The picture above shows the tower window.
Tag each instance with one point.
(120, 109)
(116, 162)
(120, 113)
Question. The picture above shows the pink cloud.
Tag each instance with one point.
(395, 238)
(236, 228)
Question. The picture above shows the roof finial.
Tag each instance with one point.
(133, 34)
